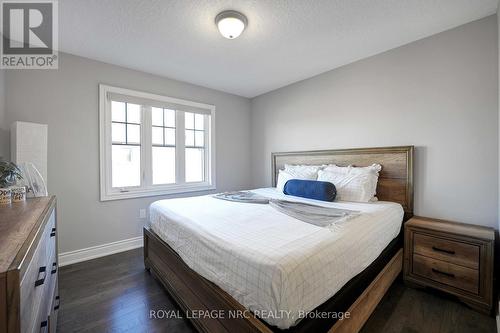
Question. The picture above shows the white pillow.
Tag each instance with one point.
(305, 171)
(336, 168)
(284, 176)
(358, 184)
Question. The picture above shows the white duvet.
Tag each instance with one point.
(274, 265)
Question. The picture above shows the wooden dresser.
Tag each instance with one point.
(28, 266)
(453, 257)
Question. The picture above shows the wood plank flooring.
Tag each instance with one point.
(116, 294)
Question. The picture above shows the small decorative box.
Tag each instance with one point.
(18, 193)
(5, 196)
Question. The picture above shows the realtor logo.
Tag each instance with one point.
(29, 34)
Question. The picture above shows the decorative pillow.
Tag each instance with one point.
(311, 189)
(358, 184)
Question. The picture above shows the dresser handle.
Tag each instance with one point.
(56, 307)
(43, 323)
(53, 232)
(443, 250)
(43, 326)
(40, 281)
(444, 273)
(54, 268)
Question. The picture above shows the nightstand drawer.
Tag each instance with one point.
(452, 251)
(444, 272)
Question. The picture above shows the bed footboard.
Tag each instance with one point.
(192, 292)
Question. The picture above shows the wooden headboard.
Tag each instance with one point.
(395, 182)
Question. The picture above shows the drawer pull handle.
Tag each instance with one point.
(54, 268)
(43, 326)
(443, 250)
(443, 273)
(56, 307)
(42, 271)
(53, 232)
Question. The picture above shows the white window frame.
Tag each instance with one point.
(146, 189)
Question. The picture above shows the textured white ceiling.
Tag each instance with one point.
(286, 40)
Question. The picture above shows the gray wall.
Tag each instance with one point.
(439, 94)
(67, 100)
(4, 133)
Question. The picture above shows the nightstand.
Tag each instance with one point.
(453, 257)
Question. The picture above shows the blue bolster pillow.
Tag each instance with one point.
(311, 189)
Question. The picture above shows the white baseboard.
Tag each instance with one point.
(72, 257)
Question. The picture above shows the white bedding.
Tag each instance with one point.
(270, 262)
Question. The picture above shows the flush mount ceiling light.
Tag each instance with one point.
(231, 23)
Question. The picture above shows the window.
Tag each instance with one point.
(195, 147)
(154, 145)
(126, 144)
(163, 139)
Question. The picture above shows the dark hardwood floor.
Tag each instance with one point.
(411, 310)
(116, 294)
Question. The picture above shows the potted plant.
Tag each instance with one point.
(9, 174)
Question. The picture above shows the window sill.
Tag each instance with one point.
(179, 189)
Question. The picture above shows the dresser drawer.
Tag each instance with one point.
(35, 285)
(50, 287)
(447, 273)
(54, 309)
(45, 309)
(42, 323)
(51, 239)
(51, 252)
(452, 251)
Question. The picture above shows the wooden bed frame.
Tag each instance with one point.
(196, 295)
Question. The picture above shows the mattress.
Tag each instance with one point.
(278, 267)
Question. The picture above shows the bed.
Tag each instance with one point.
(235, 257)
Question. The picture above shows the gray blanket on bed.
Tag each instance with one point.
(318, 215)
(242, 196)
